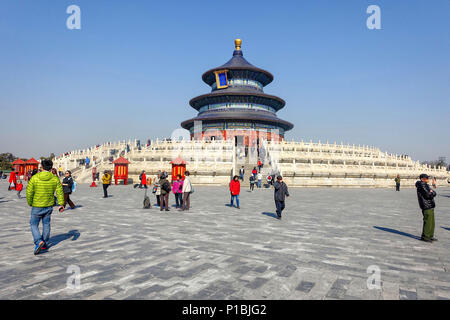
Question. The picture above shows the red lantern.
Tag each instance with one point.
(178, 167)
(121, 169)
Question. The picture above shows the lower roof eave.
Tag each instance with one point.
(286, 125)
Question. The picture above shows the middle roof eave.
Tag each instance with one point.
(221, 97)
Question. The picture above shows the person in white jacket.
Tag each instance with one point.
(187, 189)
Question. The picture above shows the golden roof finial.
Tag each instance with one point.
(237, 44)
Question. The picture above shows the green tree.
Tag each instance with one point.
(6, 160)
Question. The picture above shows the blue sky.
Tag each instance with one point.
(134, 65)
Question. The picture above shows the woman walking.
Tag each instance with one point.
(177, 190)
(67, 189)
(187, 190)
(235, 189)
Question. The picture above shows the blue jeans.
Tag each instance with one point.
(232, 200)
(38, 214)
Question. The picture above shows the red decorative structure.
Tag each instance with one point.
(94, 172)
(178, 167)
(121, 169)
(19, 167)
(31, 164)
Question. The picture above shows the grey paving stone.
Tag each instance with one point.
(305, 286)
(321, 249)
(258, 282)
(407, 295)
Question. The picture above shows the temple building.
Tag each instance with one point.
(237, 107)
(235, 115)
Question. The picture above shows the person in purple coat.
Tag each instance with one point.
(177, 189)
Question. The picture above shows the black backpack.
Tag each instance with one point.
(166, 187)
(147, 204)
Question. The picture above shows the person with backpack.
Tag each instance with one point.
(187, 190)
(19, 188)
(165, 191)
(177, 189)
(235, 189)
(40, 196)
(241, 173)
(106, 180)
(67, 189)
(252, 182)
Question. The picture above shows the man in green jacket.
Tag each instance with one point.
(41, 197)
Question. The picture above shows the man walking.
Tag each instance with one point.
(281, 192)
(426, 202)
(241, 173)
(41, 197)
(397, 183)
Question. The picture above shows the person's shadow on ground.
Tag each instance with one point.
(76, 207)
(397, 232)
(74, 234)
(270, 214)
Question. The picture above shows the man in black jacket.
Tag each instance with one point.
(426, 202)
(281, 192)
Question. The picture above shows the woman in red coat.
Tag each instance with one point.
(235, 189)
(144, 180)
(12, 179)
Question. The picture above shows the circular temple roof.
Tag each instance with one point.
(238, 62)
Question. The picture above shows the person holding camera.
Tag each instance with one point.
(426, 195)
(280, 194)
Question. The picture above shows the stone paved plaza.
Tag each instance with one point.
(320, 250)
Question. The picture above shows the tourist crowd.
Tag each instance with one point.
(45, 190)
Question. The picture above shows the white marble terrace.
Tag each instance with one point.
(301, 163)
